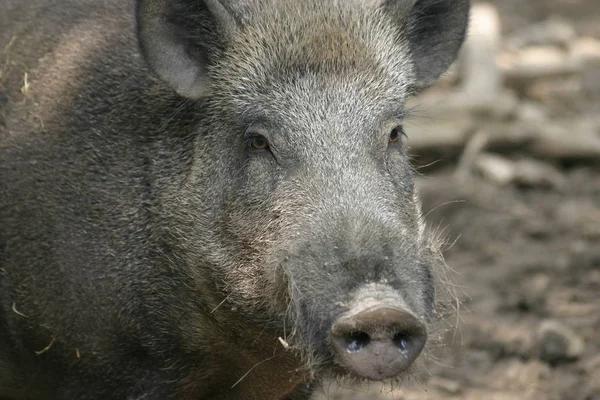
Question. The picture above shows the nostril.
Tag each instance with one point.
(356, 341)
(402, 340)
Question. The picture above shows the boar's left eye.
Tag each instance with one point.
(259, 142)
(397, 134)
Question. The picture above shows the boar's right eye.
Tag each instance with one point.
(259, 142)
(397, 134)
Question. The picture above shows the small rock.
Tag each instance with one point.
(587, 49)
(557, 94)
(551, 32)
(536, 173)
(502, 339)
(521, 375)
(445, 385)
(528, 172)
(550, 138)
(539, 62)
(533, 292)
(538, 229)
(532, 112)
(496, 169)
(504, 107)
(558, 343)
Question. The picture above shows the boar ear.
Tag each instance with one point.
(179, 39)
(435, 31)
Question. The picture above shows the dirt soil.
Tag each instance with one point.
(526, 263)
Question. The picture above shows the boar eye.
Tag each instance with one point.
(259, 142)
(397, 134)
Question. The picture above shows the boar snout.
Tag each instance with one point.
(378, 339)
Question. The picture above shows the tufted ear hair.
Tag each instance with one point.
(435, 30)
(180, 38)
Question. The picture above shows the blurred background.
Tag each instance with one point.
(507, 147)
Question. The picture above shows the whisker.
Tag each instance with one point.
(251, 369)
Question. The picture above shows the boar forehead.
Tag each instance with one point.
(301, 57)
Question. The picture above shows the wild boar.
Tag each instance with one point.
(212, 199)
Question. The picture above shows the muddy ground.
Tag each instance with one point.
(525, 256)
